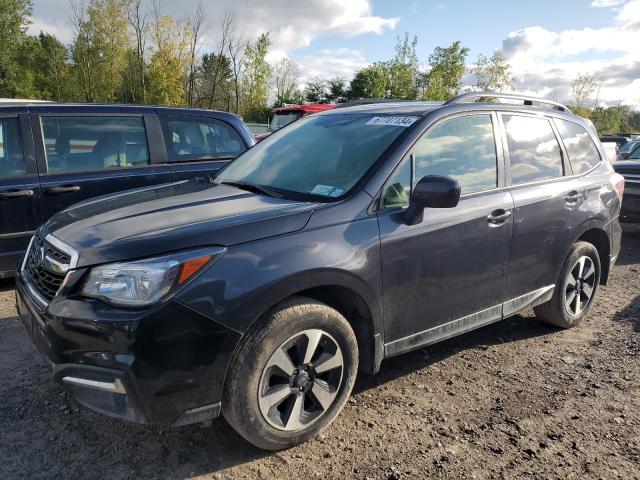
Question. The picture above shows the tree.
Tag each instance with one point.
(14, 21)
(584, 90)
(138, 19)
(169, 59)
(53, 78)
(370, 82)
(337, 89)
(447, 66)
(403, 69)
(235, 47)
(196, 29)
(492, 74)
(255, 79)
(214, 82)
(315, 90)
(285, 82)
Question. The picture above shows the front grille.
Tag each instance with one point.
(45, 282)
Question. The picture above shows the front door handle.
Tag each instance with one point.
(572, 197)
(63, 189)
(498, 217)
(16, 193)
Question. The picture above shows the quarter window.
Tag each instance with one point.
(202, 138)
(94, 143)
(534, 151)
(462, 148)
(398, 188)
(11, 156)
(581, 150)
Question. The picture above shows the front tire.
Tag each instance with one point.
(576, 288)
(292, 376)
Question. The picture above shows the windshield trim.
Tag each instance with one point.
(366, 176)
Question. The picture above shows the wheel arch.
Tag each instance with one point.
(595, 232)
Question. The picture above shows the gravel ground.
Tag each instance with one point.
(516, 399)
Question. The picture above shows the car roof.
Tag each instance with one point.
(54, 107)
(388, 108)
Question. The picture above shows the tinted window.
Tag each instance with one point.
(581, 150)
(322, 155)
(635, 154)
(533, 149)
(462, 148)
(281, 119)
(397, 190)
(94, 143)
(202, 138)
(11, 157)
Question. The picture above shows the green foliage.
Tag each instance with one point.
(14, 21)
(214, 82)
(447, 66)
(403, 69)
(285, 83)
(337, 89)
(255, 79)
(316, 90)
(492, 74)
(370, 82)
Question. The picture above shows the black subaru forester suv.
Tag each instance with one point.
(344, 238)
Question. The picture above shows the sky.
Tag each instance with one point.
(547, 42)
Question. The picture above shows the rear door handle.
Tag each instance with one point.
(498, 217)
(16, 193)
(572, 197)
(63, 189)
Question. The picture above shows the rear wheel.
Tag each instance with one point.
(576, 288)
(292, 376)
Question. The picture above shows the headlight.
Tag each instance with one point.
(145, 282)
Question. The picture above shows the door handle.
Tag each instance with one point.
(572, 197)
(498, 217)
(63, 189)
(16, 193)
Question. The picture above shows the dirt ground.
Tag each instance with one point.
(517, 399)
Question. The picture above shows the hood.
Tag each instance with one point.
(627, 166)
(153, 221)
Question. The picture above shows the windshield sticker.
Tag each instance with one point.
(327, 190)
(395, 121)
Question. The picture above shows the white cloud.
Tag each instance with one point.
(606, 3)
(61, 30)
(330, 63)
(545, 62)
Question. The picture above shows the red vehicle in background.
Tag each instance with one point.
(290, 113)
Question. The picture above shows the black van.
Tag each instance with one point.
(53, 155)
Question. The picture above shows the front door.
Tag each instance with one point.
(198, 147)
(447, 273)
(20, 202)
(87, 156)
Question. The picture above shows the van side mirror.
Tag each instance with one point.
(432, 191)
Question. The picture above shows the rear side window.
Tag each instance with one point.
(94, 143)
(201, 139)
(11, 156)
(534, 152)
(462, 148)
(581, 150)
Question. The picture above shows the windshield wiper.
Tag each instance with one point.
(252, 187)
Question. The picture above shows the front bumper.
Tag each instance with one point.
(164, 365)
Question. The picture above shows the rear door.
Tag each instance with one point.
(547, 201)
(87, 155)
(20, 202)
(199, 146)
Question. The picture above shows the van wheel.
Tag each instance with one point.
(576, 288)
(292, 376)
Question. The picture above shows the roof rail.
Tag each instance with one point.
(526, 99)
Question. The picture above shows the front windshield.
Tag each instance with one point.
(321, 155)
(281, 119)
(629, 146)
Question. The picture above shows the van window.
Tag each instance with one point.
(11, 156)
(534, 151)
(202, 138)
(581, 150)
(462, 148)
(94, 143)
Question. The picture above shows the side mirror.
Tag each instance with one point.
(432, 191)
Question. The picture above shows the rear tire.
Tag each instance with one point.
(292, 376)
(576, 288)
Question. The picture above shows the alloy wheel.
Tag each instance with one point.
(580, 285)
(301, 380)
